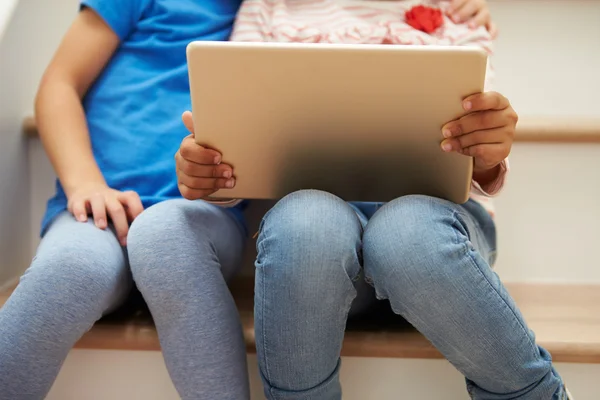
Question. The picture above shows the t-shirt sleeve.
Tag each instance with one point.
(121, 15)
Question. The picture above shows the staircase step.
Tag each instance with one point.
(558, 130)
(565, 318)
(529, 129)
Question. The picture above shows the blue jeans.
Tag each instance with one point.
(430, 258)
(179, 254)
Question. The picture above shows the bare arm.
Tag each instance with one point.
(83, 53)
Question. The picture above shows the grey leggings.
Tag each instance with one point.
(180, 255)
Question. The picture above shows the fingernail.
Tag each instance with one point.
(100, 223)
(226, 174)
(446, 146)
(81, 218)
(472, 25)
(123, 242)
(456, 18)
(218, 160)
(446, 133)
(230, 183)
(467, 105)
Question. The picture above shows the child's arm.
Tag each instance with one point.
(473, 12)
(85, 50)
(485, 133)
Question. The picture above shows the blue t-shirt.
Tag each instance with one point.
(133, 109)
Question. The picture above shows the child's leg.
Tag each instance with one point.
(181, 254)
(431, 259)
(78, 273)
(308, 258)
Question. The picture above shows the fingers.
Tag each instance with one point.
(478, 121)
(460, 143)
(481, 18)
(194, 194)
(205, 171)
(486, 133)
(118, 218)
(485, 101)
(475, 12)
(456, 5)
(78, 209)
(132, 203)
(198, 187)
(466, 10)
(488, 156)
(105, 204)
(195, 153)
(98, 209)
(188, 121)
(203, 183)
(488, 148)
(200, 172)
(199, 169)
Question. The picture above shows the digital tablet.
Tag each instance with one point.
(360, 121)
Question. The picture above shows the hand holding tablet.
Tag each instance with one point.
(362, 122)
(200, 171)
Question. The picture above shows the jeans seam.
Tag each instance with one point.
(491, 250)
(260, 248)
(264, 340)
(502, 301)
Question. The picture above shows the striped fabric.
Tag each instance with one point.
(356, 22)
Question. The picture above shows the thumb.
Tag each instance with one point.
(188, 121)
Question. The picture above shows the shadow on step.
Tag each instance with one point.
(380, 317)
(565, 318)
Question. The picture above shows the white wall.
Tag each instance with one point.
(547, 55)
(14, 167)
(549, 215)
(34, 33)
(38, 26)
(548, 64)
(6, 11)
(142, 375)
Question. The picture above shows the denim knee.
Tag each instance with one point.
(309, 240)
(410, 244)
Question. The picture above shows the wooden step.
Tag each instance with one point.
(565, 318)
(529, 129)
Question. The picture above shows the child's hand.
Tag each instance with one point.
(199, 170)
(100, 200)
(473, 12)
(485, 133)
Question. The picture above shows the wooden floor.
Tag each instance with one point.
(565, 318)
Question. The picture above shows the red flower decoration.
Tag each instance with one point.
(426, 19)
